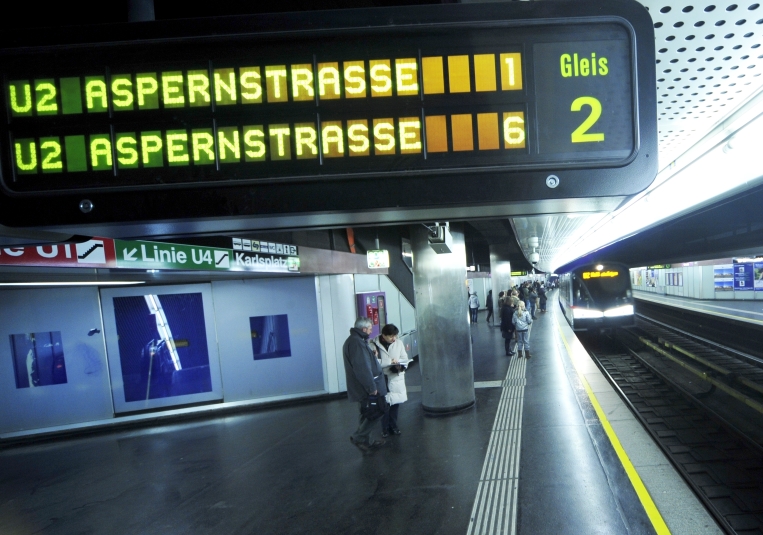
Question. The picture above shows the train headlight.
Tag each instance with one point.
(586, 313)
(625, 310)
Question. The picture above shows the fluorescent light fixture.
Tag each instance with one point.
(625, 310)
(73, 283)
(586, 313)
(678, 190)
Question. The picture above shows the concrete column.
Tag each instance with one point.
(442, 318)
(500, 272)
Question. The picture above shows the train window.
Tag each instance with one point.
(602, 289)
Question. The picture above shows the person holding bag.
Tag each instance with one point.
(365, 383)
(394, 361)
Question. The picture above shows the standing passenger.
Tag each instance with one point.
(394, 361)
(489, 306)
(542, 297)
(507, 327)
(522, 322)
(364, 378)
(474, 306)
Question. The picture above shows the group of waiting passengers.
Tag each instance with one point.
(517, 309)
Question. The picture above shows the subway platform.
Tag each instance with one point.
(548, 448)
(741, 310)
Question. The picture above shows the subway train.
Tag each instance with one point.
(597, 296)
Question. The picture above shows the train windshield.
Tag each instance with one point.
(606, 288)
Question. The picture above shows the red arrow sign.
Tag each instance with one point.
(97, 252)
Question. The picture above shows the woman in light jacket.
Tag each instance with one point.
(522, 322)
(394, 361)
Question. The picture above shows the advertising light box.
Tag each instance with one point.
(422, 99)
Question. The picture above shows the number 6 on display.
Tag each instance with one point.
(580, 135)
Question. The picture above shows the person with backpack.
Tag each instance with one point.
(522, 321)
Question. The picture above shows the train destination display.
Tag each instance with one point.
(259, 109)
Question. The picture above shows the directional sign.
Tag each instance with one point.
(95, 253)
(169, 256)
(155, 255)
(126, 254)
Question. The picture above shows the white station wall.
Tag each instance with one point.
(86, 395)
(320, 312)
(697, 283)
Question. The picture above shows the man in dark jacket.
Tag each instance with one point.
(507, 327)
(364, 378)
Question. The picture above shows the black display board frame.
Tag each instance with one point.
(51, 203)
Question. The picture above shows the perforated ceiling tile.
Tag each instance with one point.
(709, 61)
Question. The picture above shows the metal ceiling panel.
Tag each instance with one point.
(709, 62)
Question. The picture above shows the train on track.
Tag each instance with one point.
(597, 296)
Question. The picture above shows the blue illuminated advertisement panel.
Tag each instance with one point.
(743, 277)
(758, 276)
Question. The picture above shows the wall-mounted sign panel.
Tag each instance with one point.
(108, 253)
(423, 98)
(378, 259)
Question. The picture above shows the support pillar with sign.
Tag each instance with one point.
(500, 273)
(445, 348)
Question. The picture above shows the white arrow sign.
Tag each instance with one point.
(129, 256)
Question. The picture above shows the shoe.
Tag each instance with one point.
(527, 355)
(395, 431)
(385, 433)
(362, 446)
(376, 445)
(511, 354)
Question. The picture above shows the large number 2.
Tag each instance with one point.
(580, 135)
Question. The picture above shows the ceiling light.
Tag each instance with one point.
(72, 283)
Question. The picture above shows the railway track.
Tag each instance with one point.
(703, 405)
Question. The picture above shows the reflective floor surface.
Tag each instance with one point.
(293, 470)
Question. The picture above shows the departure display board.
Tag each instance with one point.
(258, 108)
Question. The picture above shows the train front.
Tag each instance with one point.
(602, 297)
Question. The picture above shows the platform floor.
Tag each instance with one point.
(534, 454)
(744, 310)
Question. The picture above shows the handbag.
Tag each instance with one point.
(373, 407)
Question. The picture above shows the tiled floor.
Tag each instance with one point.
(293, 470)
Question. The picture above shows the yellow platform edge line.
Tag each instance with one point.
(646, 499)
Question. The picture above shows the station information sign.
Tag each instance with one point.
(532, 91)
